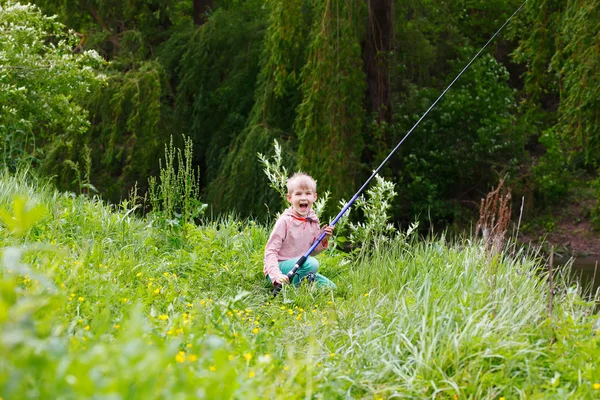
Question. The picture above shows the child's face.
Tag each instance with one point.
(302, 199)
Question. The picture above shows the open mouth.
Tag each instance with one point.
(303, 207)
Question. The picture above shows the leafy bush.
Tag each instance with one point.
(462, 144)
(42, 83)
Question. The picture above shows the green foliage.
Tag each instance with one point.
(213, 71)
(22, 217)
(331, 113)
(42, 83)
(562, 58)
(275, 171)
(376, 229)
(96, 302)
(462, 145)
(275, 98)
(293, 71)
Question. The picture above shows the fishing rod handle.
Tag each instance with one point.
(277, 286)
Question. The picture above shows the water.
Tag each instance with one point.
(583, 269)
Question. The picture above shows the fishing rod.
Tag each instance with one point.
(302, 260)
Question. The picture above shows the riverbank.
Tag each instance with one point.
(567, 227)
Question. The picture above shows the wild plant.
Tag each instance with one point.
(84, 184)
(494, 218)
(376, 229)
(277, 174)
(176, 197)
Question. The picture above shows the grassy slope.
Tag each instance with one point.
(97, 303)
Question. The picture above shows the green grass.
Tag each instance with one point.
(98, 303)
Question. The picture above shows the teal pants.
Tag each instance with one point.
(310, 265)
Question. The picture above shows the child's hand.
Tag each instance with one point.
(281, 279)
(328, 230)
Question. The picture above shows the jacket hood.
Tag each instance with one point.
(291, 213)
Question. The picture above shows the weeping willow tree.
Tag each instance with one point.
(241, 184)
(330, 119)
(562, 87)
(310, 95)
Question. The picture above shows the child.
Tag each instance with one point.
(294, 232)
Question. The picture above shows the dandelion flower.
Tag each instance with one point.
(255, 330)
(251, 374)
(80, 298)
(596, 386)
(138, 274)
(231, 357)
(180, 357)
(212, 368)
(248, 356)
(332, 355)
(87, 328)
(192, 358)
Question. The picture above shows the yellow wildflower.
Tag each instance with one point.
(87, 328)
(248, 356)
(596, 386)
(163, 317)
(192, 358)
(212, 368)
(138, 274)
(251, 374)
(80, 298)
(180, 357)
(255, 330)
(332, 355)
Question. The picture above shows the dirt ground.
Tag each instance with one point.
(572, 231)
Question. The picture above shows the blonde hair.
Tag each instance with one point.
(301, 180)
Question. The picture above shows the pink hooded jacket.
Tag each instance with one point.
(292, 236)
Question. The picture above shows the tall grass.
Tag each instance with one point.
(98, 303)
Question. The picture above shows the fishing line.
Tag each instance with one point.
(302, 259)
